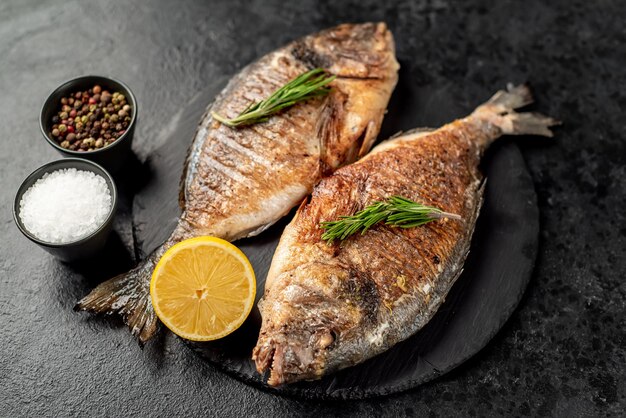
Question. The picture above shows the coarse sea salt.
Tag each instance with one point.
(65, 205)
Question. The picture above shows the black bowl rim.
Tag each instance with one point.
(36, 173)
(78, 154)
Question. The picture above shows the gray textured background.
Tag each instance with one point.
(562, 353)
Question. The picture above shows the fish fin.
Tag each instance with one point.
(419, 130)
(127, 294)
(500, 110)
(530, 123)
(369, 137)
(327, 133)
(514, 97)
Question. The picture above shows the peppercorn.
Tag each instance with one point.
(89, 114)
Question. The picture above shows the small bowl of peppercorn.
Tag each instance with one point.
(91, 117)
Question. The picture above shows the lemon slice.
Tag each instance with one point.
(203, 288)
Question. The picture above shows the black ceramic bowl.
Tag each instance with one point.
(112, 156)
(85, 247)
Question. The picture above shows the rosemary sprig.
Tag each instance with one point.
(395, 211)
(306, 86)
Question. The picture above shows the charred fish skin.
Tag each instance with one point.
(237, 182)
(327, 307)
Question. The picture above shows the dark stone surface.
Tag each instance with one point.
(562, 352)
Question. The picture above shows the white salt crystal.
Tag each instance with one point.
(65, 205)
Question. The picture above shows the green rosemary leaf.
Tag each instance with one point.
(306, 86)
(396, 211)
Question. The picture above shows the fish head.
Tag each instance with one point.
(303, 328)
(352, 50)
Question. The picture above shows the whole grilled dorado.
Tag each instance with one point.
(327, 307)
(238, 182)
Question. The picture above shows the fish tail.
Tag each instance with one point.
(500, 110)
(128, 295)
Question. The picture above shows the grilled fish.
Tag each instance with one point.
(238, 182)
(327, 307)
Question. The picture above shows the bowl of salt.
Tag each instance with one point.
(67, 208)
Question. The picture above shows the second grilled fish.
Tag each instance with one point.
(240, 181)
(327, 307)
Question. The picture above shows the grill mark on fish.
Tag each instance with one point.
(297, 140)
(292, 124)
(273, 81)
(244, 98)
(272, 139)
(279, 140)
(247, 152)
(390, 280)
(252, 97)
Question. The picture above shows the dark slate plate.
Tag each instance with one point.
(496, 272)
